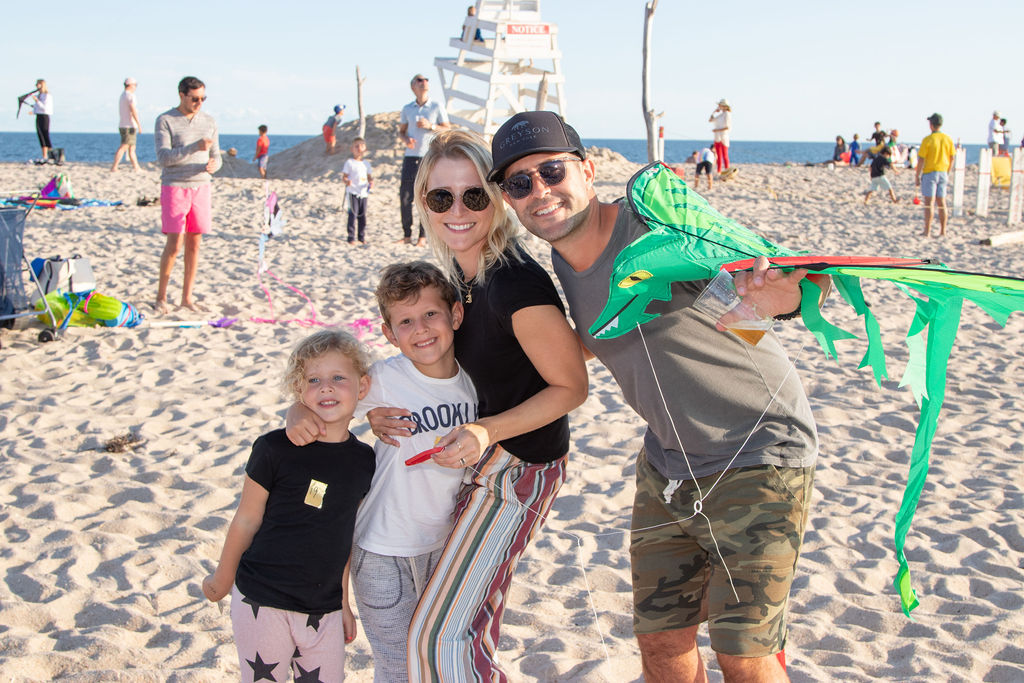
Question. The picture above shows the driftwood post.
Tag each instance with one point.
(652, 142)
(542, 93)
(359, 103)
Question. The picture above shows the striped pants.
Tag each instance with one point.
(454, 631)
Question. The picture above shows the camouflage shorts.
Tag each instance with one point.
(758, 516)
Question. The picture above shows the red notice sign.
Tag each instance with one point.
(528, 29)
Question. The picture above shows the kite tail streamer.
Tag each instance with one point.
(941, 335)
(826, 333)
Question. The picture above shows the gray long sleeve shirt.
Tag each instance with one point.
(177, 148)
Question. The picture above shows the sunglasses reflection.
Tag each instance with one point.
(440, 200)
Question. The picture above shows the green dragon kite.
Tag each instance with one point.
(689, 240)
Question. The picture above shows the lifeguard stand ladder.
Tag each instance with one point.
(516, 67)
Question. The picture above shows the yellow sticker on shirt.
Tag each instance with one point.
(315, 493)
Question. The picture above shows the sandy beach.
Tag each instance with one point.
(122, 450)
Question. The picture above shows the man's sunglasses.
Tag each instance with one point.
(197, 100)
(521, 184)
(473, 198)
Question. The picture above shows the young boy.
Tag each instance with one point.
(330, 124)
(262, 151)
(407, 515)
(705, 160)
(358, 182)
(855, 150)
(878, 180)
(287, 548)
(405, 519)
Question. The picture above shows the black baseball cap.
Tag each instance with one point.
(935, 119)
(531, 132)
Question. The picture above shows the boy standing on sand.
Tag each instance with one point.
(878, 179)
(358, 182)
(287, 549)
(262, 151)
(407, 515)
(330, 124)
(705, 159)
(934, 162)
(188, 151)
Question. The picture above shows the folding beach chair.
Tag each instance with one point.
(14, 302)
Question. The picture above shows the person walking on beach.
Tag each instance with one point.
(721, 120)
(42, 107)
(743, 427)
(995, 133)
(128, 125)
(934, 162)
(262, 151)
(419, 121)
(285, 560)
(358, 183)
(855, 150)
(1005, 147)
(188, 151)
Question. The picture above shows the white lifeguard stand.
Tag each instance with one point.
(515, 67)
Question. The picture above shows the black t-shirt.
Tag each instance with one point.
(297, 558)
(878, 136)
(879, 164)
(486, 347)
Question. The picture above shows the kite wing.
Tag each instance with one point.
(21, 101)
(689, 240)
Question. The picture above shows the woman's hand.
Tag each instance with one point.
(464, 446)
(388, 423)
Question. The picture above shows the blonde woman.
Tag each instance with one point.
(42, 107)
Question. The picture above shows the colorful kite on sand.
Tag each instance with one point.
(689, 240)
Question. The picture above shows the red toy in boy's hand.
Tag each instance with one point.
(424, 456)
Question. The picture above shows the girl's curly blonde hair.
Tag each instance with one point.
(316, 345)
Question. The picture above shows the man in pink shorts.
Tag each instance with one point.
(187, 149)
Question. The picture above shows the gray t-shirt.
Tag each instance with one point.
(177, 151)
(715, 385)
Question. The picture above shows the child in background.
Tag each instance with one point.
(288, 545)
(855, 150)
(404, 521)
(358, 182)
(262, 151)
(330, 124)
(882, 161)
(705, 161)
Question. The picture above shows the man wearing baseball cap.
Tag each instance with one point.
(128, 125)
(739, 423)
(934, 162)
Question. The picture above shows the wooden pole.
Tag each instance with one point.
(359, 103)
(652, 141)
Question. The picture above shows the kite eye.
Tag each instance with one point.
(635, 278)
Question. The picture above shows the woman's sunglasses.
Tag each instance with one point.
(441, 200)
(521, 184)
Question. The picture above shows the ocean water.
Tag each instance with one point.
(100, 147)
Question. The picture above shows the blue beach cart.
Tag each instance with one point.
(14, 300)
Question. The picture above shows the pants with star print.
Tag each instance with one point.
(271, 641)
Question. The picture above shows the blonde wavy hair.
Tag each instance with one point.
(503, 237)
(316, 345)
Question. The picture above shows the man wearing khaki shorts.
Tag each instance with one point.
(128, 125)
(187, 149)
(724, 476)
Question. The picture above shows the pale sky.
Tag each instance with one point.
(801, 70)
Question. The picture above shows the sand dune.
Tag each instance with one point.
(104, 551)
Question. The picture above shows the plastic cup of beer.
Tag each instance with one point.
(720, 302)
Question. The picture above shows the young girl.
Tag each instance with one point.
(287, 548)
